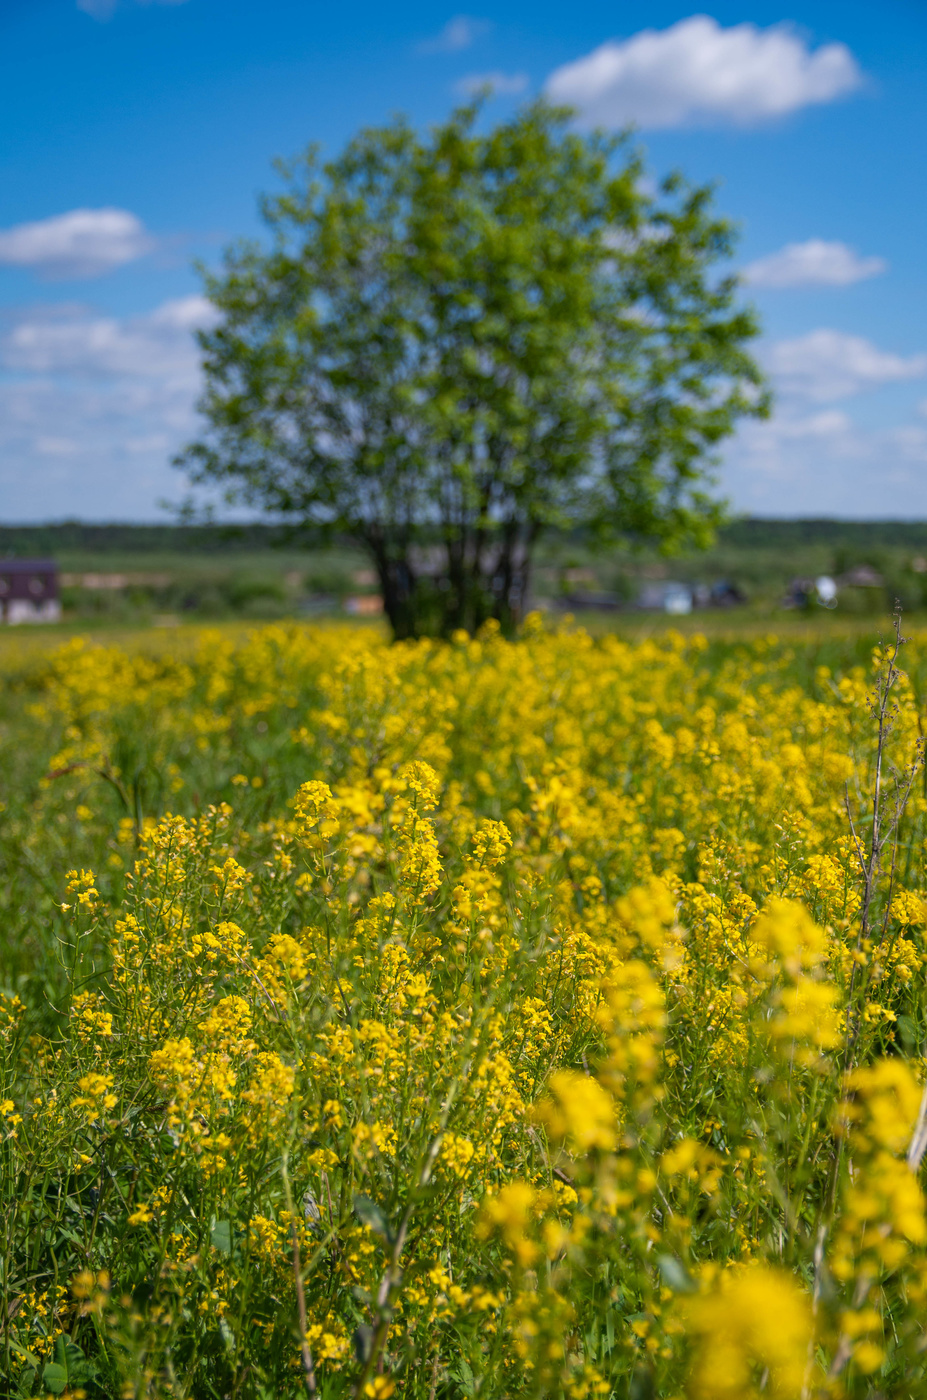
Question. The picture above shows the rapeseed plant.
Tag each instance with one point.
(512, 1019)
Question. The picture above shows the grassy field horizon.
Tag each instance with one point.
(119, 575)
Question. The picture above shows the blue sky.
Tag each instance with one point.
(138, 135)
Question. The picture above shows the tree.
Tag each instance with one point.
(458, 341)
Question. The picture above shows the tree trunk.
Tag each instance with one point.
(397, 584)
(482, 578)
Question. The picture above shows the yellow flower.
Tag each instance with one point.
(886, 1106)
(578, 1112)
(678, 1160)
(421, 869)
(422, 780)
(172, 1062)
(786, 931)
(456, 1154)
(94, 1094)
(755, 1322)
(314, 801)
(491, 842)
(868, 1357)
(650, 911)
(380, 1388)
(509, 1213)
(809, 1014)
(81, 884)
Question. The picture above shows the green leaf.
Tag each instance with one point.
(907, 1029)
(370, 1214)
(363, 1342)
(55, 1378)
(675, 1276)
(26, 1383)
(70, 1367)
(221, 1236)
(465, 1377)
(642, 1385)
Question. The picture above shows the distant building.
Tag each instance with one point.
(671, 596)
(364, 605)
(862, 576)
(668, 597)
(29, 591)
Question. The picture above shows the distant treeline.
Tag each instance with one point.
(74, 536)
(838, 534)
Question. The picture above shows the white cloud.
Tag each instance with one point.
(92, 451)
(829, 423)
(501, 84)
(459, 33)
(697, 73)
(825, 464)
(81, 243)
(93, 407)
(812, 264)
(55, 446)
(812, 459)
(105, 9)
(826, 365)
(192, 313)
(157, 345)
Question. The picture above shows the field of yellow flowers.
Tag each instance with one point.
(499, 1019)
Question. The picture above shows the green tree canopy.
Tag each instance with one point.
(459, 340)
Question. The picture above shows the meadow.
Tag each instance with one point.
(531, 1018)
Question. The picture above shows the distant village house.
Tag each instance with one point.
(29, 591)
